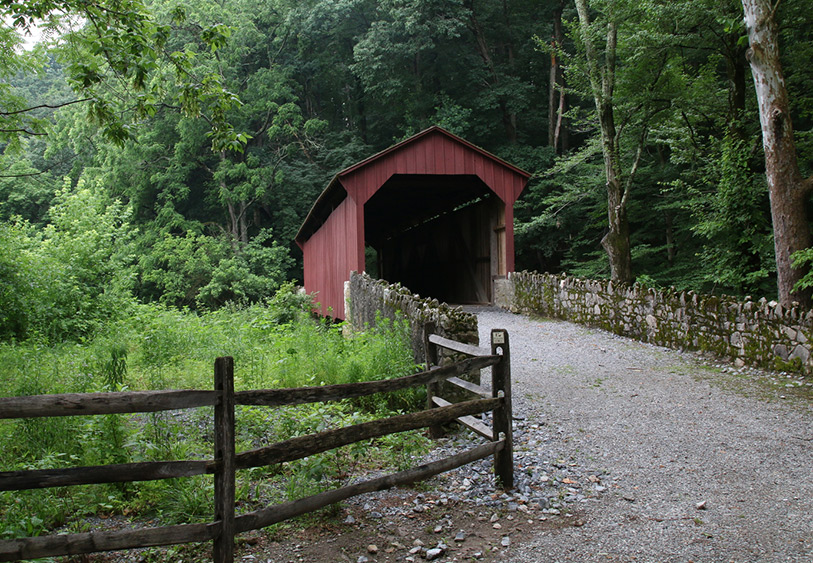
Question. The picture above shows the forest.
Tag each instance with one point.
(157, 158)
(166, 151)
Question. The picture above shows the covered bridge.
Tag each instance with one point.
(434, 212)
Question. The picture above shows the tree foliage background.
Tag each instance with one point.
(168, 150)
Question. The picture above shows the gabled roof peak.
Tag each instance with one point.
(428, 131)
(335, 192)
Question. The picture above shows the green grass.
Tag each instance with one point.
(158, 348)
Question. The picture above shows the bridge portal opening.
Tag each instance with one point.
(442, 236)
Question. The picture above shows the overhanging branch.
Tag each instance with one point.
(26, 131)
(42, 106)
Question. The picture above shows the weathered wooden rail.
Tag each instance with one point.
(501, 429)
(226, 460)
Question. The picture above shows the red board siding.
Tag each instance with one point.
(509, 238)
(434, 154)
(337, 246)
(330, 255)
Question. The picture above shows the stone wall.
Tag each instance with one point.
(367, 297)
(756, 333)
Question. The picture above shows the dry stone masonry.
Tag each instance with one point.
(755, 333)
(368, 298)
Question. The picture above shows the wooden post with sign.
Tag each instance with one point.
(501, 387)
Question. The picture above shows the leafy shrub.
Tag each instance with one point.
(250, 275)
(205, 272)
(803, 259)
(274, 344)
(173, 268)
(68, 280)
(289, 305)
(16, 268)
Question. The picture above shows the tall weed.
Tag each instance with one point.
(275, 344)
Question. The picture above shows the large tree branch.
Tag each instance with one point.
(27, 175)
(626, 120)
(773, 10)
(590, 51)
(609, 72)
(634, 170)
(482, 46)
(692, 134)
(266, 122)
(26, 131)
(42, 106)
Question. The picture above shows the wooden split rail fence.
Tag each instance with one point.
(226, 460)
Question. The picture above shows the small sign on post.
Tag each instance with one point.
(501, 387)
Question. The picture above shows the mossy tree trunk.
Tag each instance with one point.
(616, 241)
(557, 100)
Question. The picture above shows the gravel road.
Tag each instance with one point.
(696, 471)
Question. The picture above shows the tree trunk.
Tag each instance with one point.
(736, 73)
(602, 82)
(670, 239)
(237, 210)
(243, 224)
(556, 94)
(233, 222)
(238, 224)
(509, 118)
(788, 190)
(617, 240)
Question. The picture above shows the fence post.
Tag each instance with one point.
(432, 389)
(223, 550)
(501, 386)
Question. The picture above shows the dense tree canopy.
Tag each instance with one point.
(199, 132)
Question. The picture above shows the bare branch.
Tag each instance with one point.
(692, 134)
(42, 106)
(634, 170)
(28, 175)
(773, 10)
(26, 131)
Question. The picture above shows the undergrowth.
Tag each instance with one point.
(276, 344)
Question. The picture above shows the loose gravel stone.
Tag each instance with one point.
(659, 435)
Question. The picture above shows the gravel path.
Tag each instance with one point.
(694, 471)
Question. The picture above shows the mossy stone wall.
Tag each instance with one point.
(755, 333)
(368, 297)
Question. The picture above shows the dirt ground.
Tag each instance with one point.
(393, 538)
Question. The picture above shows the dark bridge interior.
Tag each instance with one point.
(438, 235)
